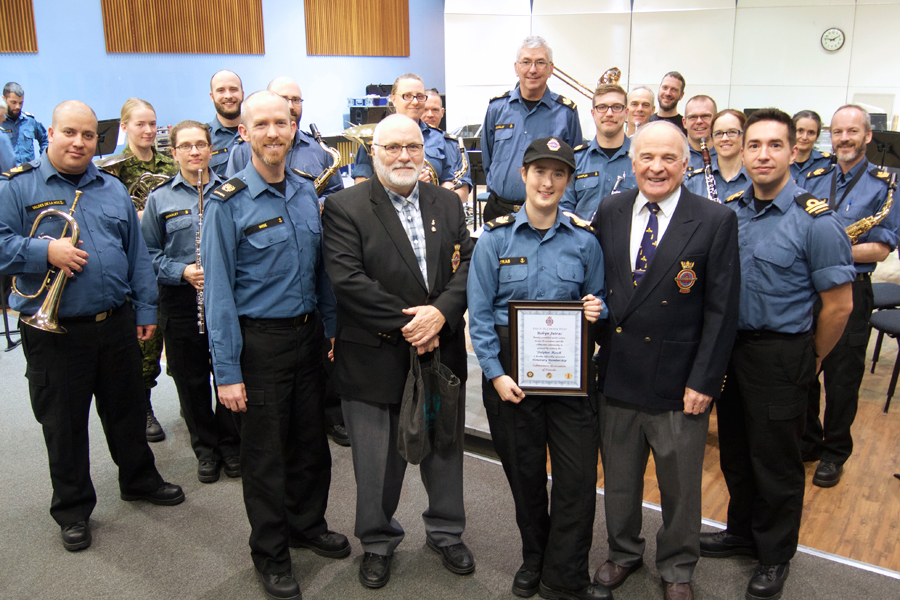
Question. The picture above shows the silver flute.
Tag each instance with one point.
(201, 312)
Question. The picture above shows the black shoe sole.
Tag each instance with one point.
(156, 438)
(524, 592)
(79, 545)
(750, 596)
(728, 553)
(342, 553)
(448, 565)
(374, 585)
(157, 501)
(233, 473)
(272, 596)
(340, 441)
(208, 478)
(826, 483)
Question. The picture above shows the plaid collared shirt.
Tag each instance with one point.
(411, 218)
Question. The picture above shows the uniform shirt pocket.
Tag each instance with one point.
(177, 224)
(571, 277)
(503, 144)
(269, 254)
(587, 183)
(772, 265)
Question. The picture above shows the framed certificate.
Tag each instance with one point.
(549, 347)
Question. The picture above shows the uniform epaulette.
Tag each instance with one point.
(565, 101)
(881, 174)
(825, 154)
(238, 140)
(581, 147)
(229, 188)
(448, 136)
(578, 221)
(818, 172)
(690, 173)
(812, 205)
(734, 197)
(503, 95)
(28, 114)
(23, 168)
(302, 174)
(499, 222)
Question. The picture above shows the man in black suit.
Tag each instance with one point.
(397, 251)
(673, 276)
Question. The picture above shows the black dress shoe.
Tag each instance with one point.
(526, 582)
(76, 536)
(828, 474)
(155, 431)
(338, 434)
(374, 570)
(591, 592)
(328, 544)
(456, 558)
(208, 471)
(611, 575)
(280, 586)
(677, 591)
(232, 466)
(767, 582)
(168, 494)
(722, 545)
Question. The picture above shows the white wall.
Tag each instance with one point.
(743, 53)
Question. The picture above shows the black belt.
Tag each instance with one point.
(765, 334)
(277, 323)
(91, 318)
(504, 203)
(863, 276)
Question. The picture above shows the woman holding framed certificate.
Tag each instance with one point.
(535, 383)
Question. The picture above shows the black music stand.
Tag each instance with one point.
(10, 344)
(478, 178)
(107, 136)
(884, 149)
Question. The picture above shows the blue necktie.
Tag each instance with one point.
(648, 244)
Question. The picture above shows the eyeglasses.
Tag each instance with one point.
(394, 150)
(703, 117)
(615, 108)
(295, 100)
(732, 134)
(187, 147)
(540, 65)
(409, 97)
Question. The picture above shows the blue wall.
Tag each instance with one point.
(73, 64)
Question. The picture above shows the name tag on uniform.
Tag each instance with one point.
(518, 260)
(219, 151)
(583, 175)
(44, 205)
(264, 225)
(177, 213)
(504, 126)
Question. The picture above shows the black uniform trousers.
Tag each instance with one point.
(843, 370)
(93, 359)
(214, 435)
(285, 460)
(557, 541)
(761, 417)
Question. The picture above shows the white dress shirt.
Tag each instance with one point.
(640, 216)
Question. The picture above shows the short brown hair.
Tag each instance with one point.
(741, 117)
(188, 124)
(607, 88)
(773, 114)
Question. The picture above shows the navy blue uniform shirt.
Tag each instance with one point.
(596, 176)
(787, 257)
(170, 224)
(118, 264)
(23, 132)
(515, 262)
(262, 258)
(223, 140)
(509, 127)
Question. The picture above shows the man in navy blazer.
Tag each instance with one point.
(673, 275)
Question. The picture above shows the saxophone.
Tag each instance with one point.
(322, 180)
(457, 177)
(861, 227)
(201, 311)
(711, 191)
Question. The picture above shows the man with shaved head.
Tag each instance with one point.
(227, 94)
(109, 303)
(305, 153)
(265, 288)
(397, 252)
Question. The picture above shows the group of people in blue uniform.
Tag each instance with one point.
(741, 303)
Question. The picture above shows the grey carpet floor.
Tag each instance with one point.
(199, 548)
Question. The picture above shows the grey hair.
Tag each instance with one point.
(640, 87)
(395, 118)
(866, 118)
(535, 41)
(13, 88)
(643, 129)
